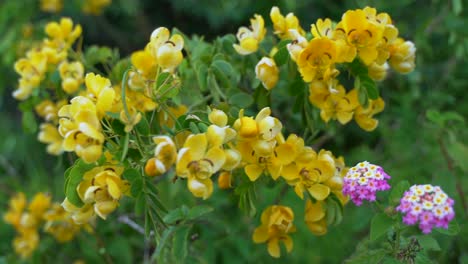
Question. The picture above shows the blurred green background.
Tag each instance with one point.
(422, 135)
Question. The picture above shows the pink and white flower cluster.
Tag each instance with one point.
(363, 181)
(428, 205)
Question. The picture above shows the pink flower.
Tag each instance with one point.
(428, 205)
(363, 181)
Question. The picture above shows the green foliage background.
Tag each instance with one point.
(422, 135)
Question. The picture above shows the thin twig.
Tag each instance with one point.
(450, 167)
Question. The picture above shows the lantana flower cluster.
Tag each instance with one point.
(363, 181)
(426, 205)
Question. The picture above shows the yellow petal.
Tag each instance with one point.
(319, 191)
(314, 211)
(260, 234)
(197, 145)
(273, 248)
(288, 242)
(200, 188)
(113, 188)
(253, 171)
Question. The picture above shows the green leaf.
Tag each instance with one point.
(161, 243)
(397, 192)
(29, 122)
(120, 249)
(457, 6)
(118, 70)
(452, 230)
(370, 86)
(380, 224)
(428, 242)
(458, 152)
(74, 179)
(143, 126)
(140, 204)
(131, 175)
(202, 72)
(261, 97)
(242, 100)
(174, 216)
(95, 54)
(367, 257)
(199, 211)
(282, 55)
(180, 243)
(136, 187)
(223, 72)
(194, 128)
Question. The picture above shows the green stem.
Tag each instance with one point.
(396, 246)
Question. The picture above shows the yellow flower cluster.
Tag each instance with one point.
(100, 190)
(362, 34)
(277, 223)
(257, 146)
(92, 7)
(27, 219)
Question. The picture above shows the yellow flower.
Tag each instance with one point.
(63, 33)
(49, 135)
(277, 224)
(79, 215)
(362, 34)
(167, 51)
(60, 224)
(309, 172)
(49, 110)
(17, 204)
(316, 58)
(257, 162)
(339, 105)
(224, 180)
(32, 70)
(249, 39)
(165, 155)
(103, 187)
(197, 162)
(378, 72)
(267, 72)
(26, 243)
(218, 117)
(297, 44)
(363, 116)
(282, 25)
(39, 204)
(52, 6)
(169, 118)
(263, 127)
(322, 28)
(72, 75)
(95, 7)
(80, 127)
(101, 92)
(130, 120)
(402, 55)
(315, 218)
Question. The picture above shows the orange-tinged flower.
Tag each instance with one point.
(224, 180)
(277, 224)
